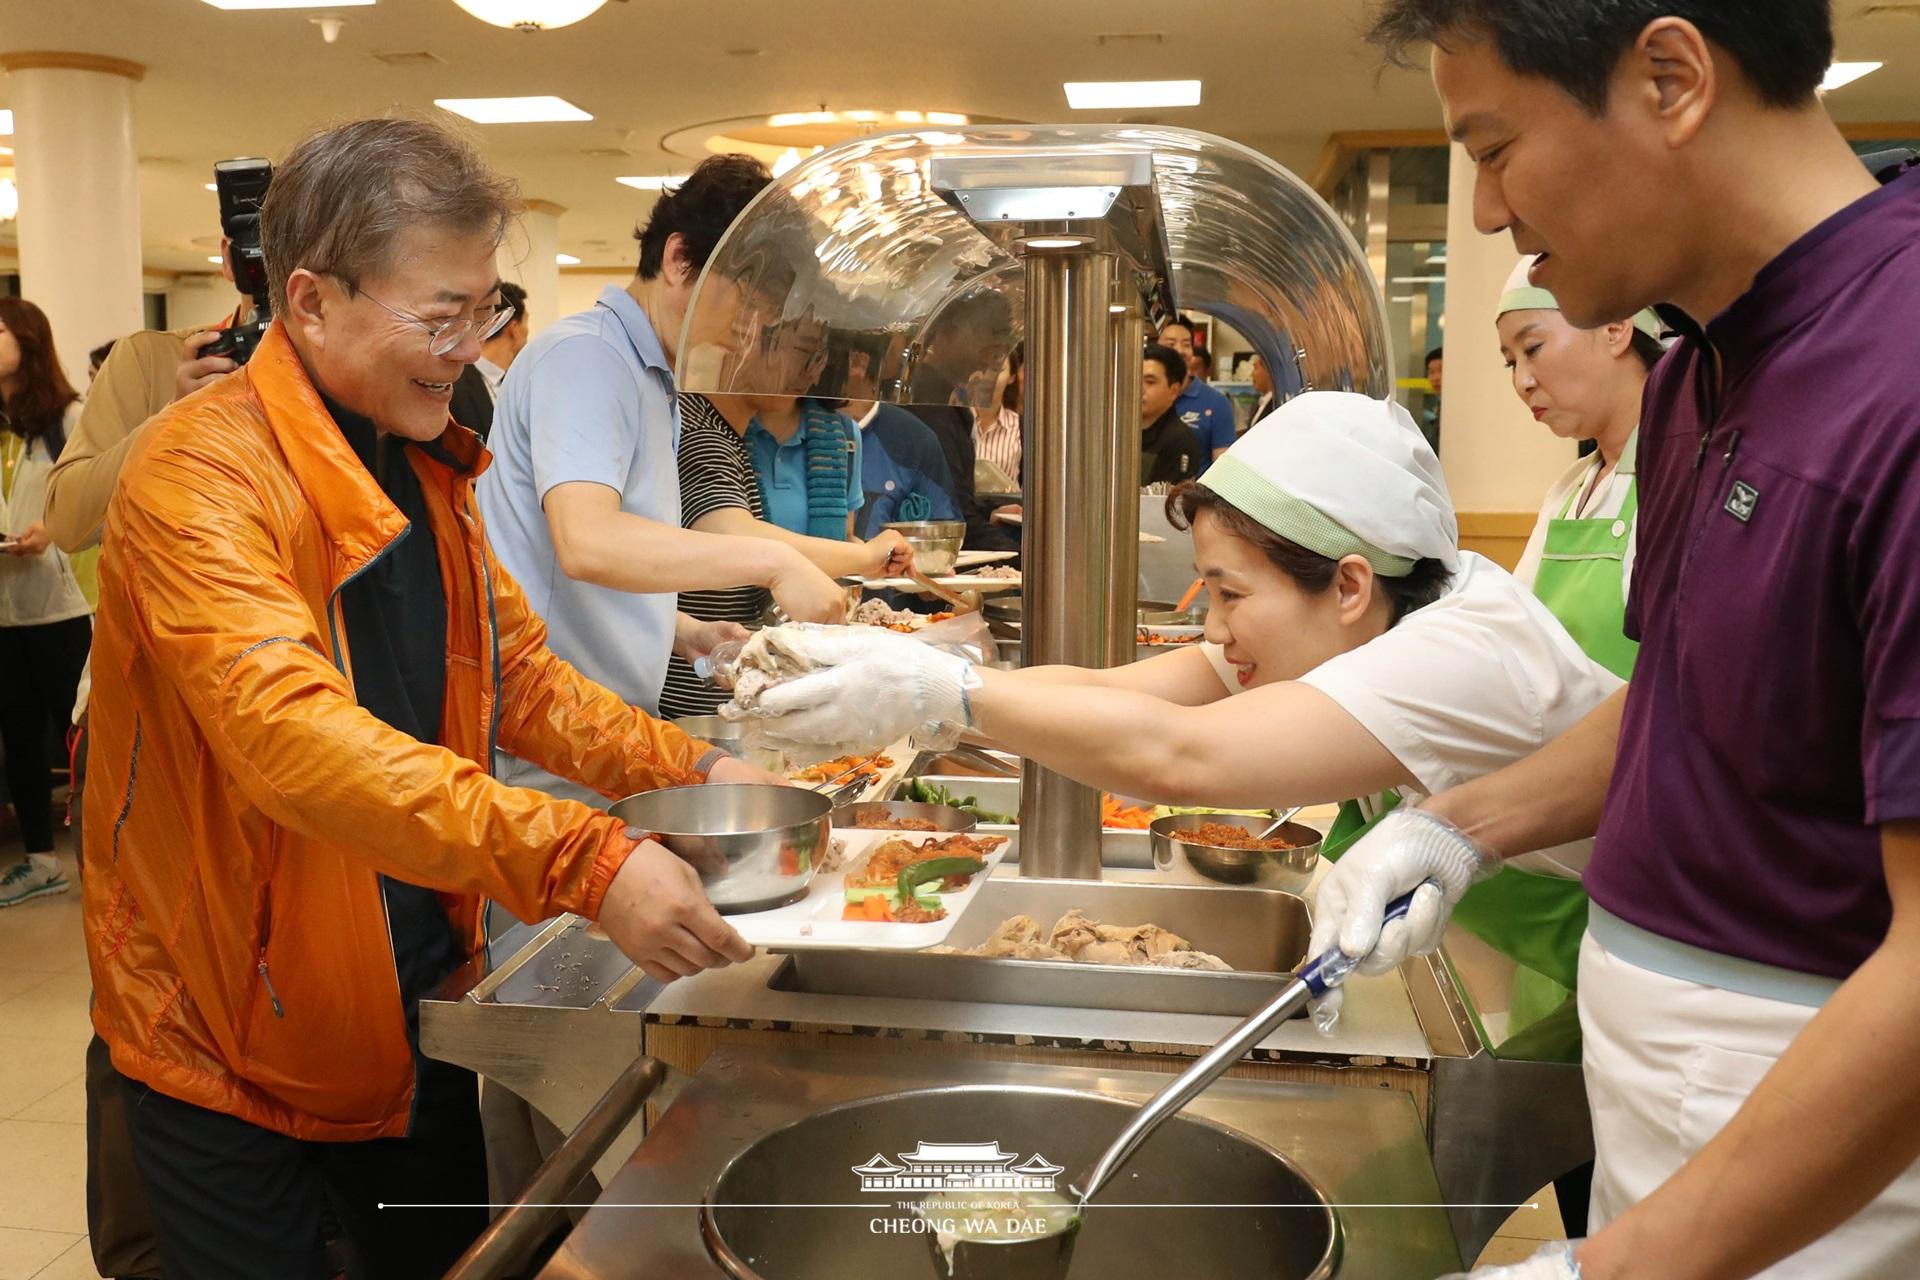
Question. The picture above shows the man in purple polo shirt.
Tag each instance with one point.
(1746, 983)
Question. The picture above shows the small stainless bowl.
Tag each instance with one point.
(935, 543)
(755, 845)
(944, 817)
(730, 738)
(1288, 869)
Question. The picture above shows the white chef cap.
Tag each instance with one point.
(1521, 294)
(1343, 474)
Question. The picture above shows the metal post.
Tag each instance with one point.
(1127, 331)
(1071, 462)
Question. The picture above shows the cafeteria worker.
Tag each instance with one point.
(1372, 659)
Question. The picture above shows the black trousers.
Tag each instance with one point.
(234, 1201)
(39, 672)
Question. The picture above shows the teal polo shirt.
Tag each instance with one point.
(782, 472)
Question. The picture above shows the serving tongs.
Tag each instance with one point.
(962, 601)
(1046, 1257)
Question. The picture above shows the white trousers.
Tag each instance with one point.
(1668, 1062)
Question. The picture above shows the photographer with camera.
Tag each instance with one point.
(307, 652)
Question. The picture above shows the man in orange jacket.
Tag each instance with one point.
(305, 656)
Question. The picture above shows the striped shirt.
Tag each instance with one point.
(997, 440)
(716, 472)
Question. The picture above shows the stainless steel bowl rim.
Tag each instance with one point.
(1164, 827)
(825, 809)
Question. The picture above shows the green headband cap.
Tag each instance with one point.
(1273, 508)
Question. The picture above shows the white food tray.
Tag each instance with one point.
(975, 559)
(814, 922)
(956, 582)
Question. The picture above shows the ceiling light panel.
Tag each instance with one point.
(1845, 73)
(289, 4)
(6, 124)
(565, 260)
(536, 110)
(1122, 95)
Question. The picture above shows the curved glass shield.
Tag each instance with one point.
(858, 275)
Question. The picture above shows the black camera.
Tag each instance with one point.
(242, 185)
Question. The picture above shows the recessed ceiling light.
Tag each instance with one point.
(566, 260)
(531, 15)
(1121, 95)
(6, 123)
(639, 182)
(212, 186)
(535, 110)
(1845, 73)
(214, 258)
(1418, 280)
(287, 4)
(1056, 242)
(6, 151)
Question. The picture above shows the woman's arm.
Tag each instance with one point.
(836, 559)
(1185, 678)
(1279, 745)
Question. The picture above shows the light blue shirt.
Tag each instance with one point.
(782, 471)
(590, 399)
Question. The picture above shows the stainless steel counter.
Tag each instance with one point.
(1365, 1148)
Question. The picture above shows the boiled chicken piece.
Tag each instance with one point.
(1106, 953)
(1073, 932)
(1191, 960)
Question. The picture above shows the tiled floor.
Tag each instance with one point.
(43, 1133)
(43, 1136)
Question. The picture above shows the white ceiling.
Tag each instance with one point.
(1280, 75)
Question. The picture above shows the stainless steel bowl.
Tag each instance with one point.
(943, 817)
(1200, 1199)
(1288, 869)
(935, 543)
(755, 845)
(730, 738)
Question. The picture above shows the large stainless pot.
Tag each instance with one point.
(755, 845)
(1286, 1232)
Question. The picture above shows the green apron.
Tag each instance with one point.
(1579, 579)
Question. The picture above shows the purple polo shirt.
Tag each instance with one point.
(1774, 715)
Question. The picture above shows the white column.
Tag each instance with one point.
(79, 196)
(530, 258)
(1498, 459)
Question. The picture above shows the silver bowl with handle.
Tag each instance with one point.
(1288, 869)
(935, 543)
(719, 732)
(755, 845)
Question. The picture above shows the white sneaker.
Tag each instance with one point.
(25, 881)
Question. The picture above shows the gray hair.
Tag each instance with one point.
(342, 197)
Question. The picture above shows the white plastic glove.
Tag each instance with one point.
(1553, 1262)
(865, 687)
(1403, 849)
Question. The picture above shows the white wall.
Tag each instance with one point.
(200, 300)
(1497, 457)
(578, 289)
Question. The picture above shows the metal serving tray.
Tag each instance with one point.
(1262, 933)
(1118, 848)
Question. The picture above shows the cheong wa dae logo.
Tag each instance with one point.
(958, 1166)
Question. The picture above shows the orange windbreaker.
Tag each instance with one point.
(242, 806)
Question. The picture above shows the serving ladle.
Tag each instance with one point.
(1046, 1257)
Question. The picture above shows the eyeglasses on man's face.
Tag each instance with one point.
(445, 336)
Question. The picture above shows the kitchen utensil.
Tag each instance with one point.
(995, 766)
(1288, 869)
(962, 602)
(1193, 593)
(943, 817)
(1279, 822)
(755, 845)
(1319, 976)
(935, 543)
(731, 738)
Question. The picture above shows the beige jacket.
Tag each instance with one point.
(45, 588)
(136, 382)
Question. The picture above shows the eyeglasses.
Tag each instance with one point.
(444, 336)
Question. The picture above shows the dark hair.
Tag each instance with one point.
(343, 197)
(513, 298)
(1182, 319)
(37, 408)
(1016, 360)
(1172, 361)
(700, 210)
(1435, 354)
(1205, 357)
(98, 356)
(1647, 347)
(1782, 47)
(1310, 571)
